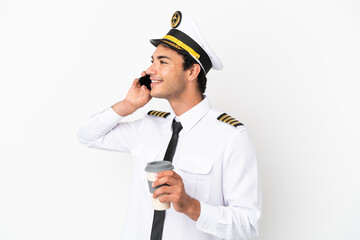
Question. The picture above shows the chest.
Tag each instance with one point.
(198, 160)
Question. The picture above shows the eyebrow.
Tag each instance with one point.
(160, 57)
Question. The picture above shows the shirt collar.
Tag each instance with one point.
(193, 116)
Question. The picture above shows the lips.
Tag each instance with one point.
(155, 81)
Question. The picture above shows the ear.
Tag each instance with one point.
(193, 72)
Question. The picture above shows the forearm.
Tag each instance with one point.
(101, 123)
(98, 126)
(93, 132)
(237, 217)
(229, 222)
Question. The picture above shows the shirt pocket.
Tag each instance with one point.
(196, 175)
(143, 154)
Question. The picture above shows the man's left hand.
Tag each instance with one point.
(175, 193)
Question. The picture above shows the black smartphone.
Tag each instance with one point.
(145, 80)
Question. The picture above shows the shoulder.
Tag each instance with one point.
(223, 126)
(225, 120)
(155, 115)
(155, 121)
(230, 130)
(158, 114)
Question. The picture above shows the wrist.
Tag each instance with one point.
(193, 209)
(123, 108)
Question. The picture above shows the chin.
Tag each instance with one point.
(154, 94)
(157, 95)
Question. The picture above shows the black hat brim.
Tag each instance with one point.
(169, 44)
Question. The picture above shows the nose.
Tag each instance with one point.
(151, 70)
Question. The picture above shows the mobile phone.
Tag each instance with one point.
(145, 80)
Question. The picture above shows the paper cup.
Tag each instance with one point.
(151, 169)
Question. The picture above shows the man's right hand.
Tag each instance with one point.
(137, 97)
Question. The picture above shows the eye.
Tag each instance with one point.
(162, 62)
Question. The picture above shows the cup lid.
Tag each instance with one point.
(159, 166)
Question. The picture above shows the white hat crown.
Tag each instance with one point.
(186, 36)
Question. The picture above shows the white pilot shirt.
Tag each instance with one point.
(216, 161)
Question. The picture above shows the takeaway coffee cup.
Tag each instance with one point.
(151, 169)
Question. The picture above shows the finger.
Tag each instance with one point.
(165, 180)
(143, 73)
(163, 190)
(165, 198)
(144, 88)
(135, 83)
(168, 173)
(173, 198)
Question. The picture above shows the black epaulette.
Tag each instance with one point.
(158, 113)
(230, 120)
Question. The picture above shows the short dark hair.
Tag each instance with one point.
(187, 64)
(201, 79)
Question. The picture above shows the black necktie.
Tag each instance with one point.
(159, 216)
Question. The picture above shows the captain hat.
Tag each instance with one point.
(185, 37)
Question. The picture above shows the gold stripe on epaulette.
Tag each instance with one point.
(226, 119)
(158, 113)
(229, 120)
(232, 121)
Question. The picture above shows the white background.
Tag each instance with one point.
(291, 76)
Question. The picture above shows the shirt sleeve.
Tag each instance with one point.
(239, 217)
(105, 130)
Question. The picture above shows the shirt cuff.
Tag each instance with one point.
(109, 117)
(207, 221)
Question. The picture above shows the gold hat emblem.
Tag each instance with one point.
(176, 19)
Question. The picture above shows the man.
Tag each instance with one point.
(214, 187)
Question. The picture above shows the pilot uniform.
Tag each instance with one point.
(214, 157)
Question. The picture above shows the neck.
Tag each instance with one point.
(180, 106)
